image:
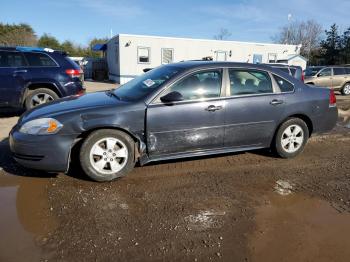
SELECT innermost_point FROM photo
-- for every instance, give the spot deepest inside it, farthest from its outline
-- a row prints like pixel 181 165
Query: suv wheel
pixel 39 96
pixel 346 89
pixel 291 138
pixel 107 154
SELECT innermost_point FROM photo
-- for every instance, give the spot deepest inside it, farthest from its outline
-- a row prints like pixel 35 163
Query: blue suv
pixel 33 76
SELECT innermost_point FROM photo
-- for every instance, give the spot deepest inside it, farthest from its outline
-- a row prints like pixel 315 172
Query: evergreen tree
pixel 331 46
pixel 49 41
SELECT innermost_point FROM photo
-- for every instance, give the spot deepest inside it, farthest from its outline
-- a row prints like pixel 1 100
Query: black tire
pixel 279 148
pixel 28 103
pixel 91 140
pixel 346 89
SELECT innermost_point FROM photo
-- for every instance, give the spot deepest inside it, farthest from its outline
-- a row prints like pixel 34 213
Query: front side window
pixel 39 59
pixel 339 71
pixel 11 59
pixel 347 70
pixel 199 85
pixel 246 82
pixel 283 84
pixel 325 72
pixel 143 54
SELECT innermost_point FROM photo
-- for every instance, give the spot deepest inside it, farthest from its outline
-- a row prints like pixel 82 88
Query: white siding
pixel 186 49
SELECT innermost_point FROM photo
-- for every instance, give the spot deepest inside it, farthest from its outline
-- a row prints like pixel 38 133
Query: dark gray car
pixel 174 111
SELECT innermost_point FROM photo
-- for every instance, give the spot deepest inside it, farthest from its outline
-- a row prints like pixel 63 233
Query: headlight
pixel 41 126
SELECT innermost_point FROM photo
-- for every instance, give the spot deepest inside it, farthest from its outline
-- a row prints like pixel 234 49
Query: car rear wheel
pixel 346 89
pixel 107 154
pixel 291 138
pixel 39 96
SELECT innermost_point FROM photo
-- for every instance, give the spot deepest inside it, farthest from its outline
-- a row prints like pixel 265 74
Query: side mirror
pixel 172 97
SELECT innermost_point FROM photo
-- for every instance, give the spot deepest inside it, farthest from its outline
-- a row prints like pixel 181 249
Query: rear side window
pixel 200 85
pixel 338 71
pixel 39 59
pixel 11 59
pixel 347 70
pixel 283 84
pixel 245 82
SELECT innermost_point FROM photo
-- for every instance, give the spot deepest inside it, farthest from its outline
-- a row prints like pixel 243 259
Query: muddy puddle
pixel 24 217
pixel 298 228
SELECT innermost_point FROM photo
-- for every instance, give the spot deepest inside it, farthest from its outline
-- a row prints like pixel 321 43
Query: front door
pixel 324 78
pixel 192 125
pixel 252 109
pixel 12 77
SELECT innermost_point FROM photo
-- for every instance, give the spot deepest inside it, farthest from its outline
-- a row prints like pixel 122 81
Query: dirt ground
pixel 248 206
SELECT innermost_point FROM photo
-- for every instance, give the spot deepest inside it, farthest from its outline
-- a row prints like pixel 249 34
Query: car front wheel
pixel 107 154
pixel 291 138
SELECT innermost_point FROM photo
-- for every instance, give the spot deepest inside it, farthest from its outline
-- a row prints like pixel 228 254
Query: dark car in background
pixel 294 71
pixel 33 76
pixel 185 109
pixel 334 77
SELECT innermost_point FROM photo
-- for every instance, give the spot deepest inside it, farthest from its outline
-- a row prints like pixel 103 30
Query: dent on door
pixel 185 127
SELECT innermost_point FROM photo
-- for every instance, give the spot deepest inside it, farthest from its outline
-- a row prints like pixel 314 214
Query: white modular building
pixel 128 55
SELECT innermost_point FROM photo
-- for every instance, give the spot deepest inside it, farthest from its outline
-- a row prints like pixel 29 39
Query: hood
pixel 72 104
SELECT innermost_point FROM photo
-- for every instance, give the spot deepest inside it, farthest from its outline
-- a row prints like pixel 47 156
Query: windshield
pixel 145 84
pixel 311 71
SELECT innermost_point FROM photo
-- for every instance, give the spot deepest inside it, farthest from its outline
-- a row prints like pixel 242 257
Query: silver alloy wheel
pixel 346 89
pixel 292 138
pixel 40 99
pixel 108 155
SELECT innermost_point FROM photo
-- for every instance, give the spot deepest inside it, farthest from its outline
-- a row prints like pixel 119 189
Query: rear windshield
pixel 147 83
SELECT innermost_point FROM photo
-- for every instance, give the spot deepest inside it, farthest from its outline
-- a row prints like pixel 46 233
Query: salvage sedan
pixel 178 110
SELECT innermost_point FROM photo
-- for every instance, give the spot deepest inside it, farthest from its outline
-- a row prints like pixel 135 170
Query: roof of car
pixel 30 49
pixel 201 63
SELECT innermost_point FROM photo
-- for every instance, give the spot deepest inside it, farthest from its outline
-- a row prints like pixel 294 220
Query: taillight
pixel 332 98
pixel 74 72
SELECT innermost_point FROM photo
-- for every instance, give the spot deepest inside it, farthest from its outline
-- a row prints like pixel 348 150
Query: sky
pixel 248 20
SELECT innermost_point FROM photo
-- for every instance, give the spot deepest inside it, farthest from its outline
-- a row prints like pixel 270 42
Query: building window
pixel 257 59
pixel 221 56
pixel 272 58
pixel 167 55
pixel 143 54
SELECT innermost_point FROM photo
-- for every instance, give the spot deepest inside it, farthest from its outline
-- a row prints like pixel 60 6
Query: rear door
pixel 192 125
pixel 339 77
pixel 13 75
pixel 252 109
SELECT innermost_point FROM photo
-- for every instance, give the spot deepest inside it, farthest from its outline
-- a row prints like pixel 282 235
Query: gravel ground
pixel 221 208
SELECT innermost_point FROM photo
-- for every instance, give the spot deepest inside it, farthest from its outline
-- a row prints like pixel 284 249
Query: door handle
pixel 276 102
pixel 213 108
pixel 19 71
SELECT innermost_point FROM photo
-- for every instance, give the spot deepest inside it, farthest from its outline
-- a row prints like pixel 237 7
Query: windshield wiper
pixel 111 93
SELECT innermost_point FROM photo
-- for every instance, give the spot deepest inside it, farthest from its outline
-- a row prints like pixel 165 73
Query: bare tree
pixel 307 33
pixel 223 34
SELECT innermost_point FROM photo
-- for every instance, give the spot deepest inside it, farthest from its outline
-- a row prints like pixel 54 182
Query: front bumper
pixel 50 153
